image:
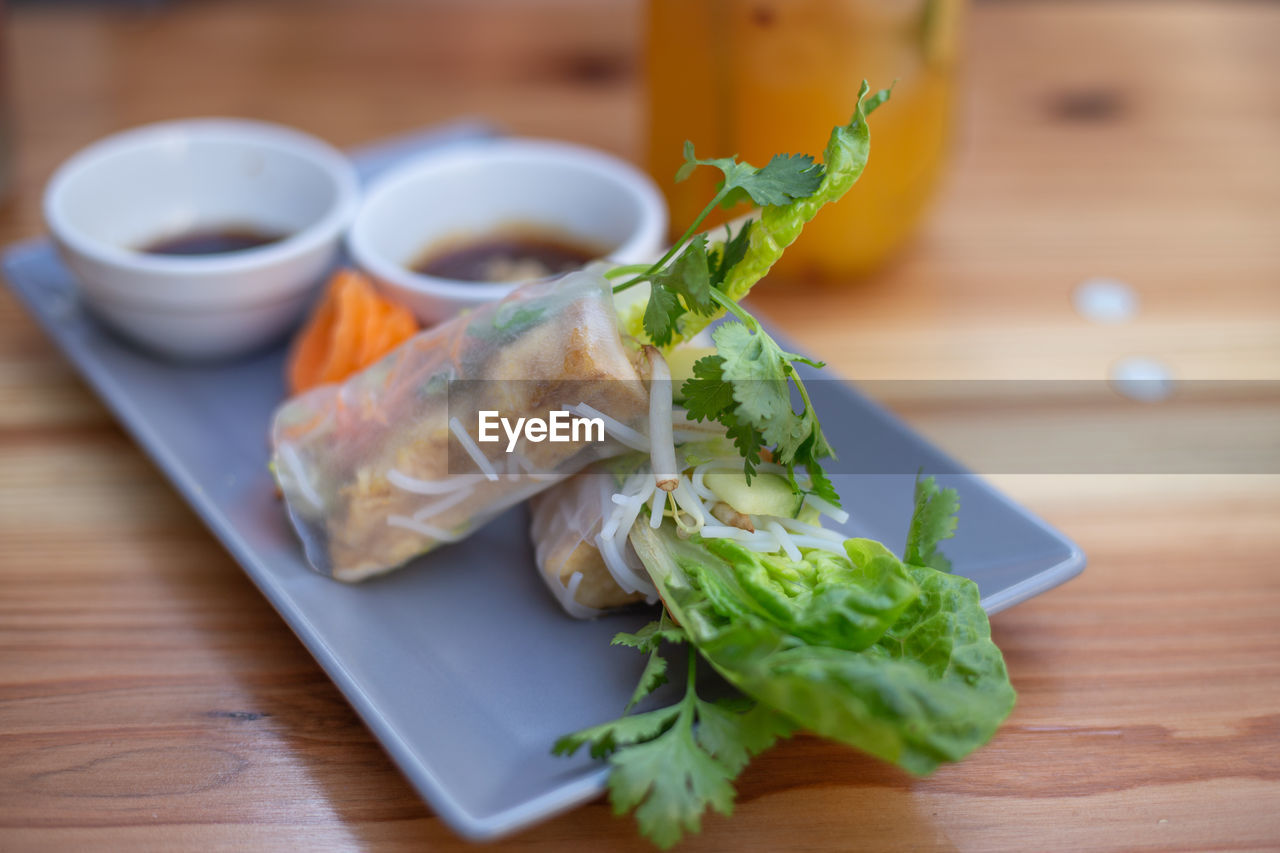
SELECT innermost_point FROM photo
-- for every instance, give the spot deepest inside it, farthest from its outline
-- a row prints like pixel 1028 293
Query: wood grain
pixel 151 699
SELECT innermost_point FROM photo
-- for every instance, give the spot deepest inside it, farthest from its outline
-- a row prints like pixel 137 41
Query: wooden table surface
pixel 150 698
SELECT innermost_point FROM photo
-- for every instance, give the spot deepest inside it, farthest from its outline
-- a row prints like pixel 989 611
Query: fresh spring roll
pixel 566 524
pixel 389 464
pixel 581 528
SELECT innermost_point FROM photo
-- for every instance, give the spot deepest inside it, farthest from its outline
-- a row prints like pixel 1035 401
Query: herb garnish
pixel 747 385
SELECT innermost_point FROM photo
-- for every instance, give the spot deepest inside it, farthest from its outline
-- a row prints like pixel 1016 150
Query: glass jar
pixel 759 77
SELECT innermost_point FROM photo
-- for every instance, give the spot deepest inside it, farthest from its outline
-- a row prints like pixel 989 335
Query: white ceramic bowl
pixel 165 179
pixel 578 191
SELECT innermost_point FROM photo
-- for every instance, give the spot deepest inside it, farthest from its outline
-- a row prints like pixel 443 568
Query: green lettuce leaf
pixel 792 189
pixel 930 688
pixel 778 226
pixel 822 598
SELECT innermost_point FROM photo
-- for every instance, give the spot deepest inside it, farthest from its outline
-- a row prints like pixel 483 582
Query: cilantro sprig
pixel 786 178
pixel 747 386
pixel 671 764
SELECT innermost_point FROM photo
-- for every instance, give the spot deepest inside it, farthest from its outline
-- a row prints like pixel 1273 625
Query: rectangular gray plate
pixel 463 665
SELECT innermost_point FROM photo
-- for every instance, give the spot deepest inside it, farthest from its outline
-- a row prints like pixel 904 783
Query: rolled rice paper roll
pixel 565 522
pixel 388 464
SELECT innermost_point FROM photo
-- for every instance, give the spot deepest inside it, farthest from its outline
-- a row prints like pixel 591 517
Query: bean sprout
pixel 662 444
pixel 813 530
pixel 830 510
pixel 784 539
pixel 634 439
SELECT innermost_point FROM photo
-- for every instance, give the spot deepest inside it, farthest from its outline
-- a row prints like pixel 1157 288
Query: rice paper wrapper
pixel 388 465
pixel 565 522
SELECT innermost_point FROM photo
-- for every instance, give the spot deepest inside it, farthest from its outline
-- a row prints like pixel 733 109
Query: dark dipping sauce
pixel 212 241
pixel 506 256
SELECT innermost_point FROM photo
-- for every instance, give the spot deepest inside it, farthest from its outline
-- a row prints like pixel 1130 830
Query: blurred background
pixel 1030 146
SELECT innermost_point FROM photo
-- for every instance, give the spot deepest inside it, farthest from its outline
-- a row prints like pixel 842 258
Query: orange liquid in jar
pixel 759 77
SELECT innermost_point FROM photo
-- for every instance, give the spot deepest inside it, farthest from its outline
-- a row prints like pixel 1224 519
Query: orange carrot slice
pixel 351 328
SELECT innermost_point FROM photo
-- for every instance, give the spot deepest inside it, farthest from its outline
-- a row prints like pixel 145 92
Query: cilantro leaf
pixel 690 276
pixel 707 393
pixel 682 286
pixel 756 371
pixel 653 677
pixel 760 375
pixel 649 639
pixel 934 519
pixel 672 764
pixel 786 178
pixel 820 484
pixel 670 781
pixel 661 314
pixel 624 731
pixel 650 636
pixel 749 441
pixel 733 251
pixel 709 396
pixel 690 163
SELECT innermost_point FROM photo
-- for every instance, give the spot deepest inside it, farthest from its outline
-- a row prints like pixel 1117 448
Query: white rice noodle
pixel 296 472
pixel 629 501
pixel 811 530
pixel 763 541
pixel 613 551
pixel 775 534
pixel 438 506
pixel 820 544
pixel 631 438
pixel 832 511
pixel 612 538
pixel 401 480
pixel 698 483
pixel 473 449
pixel 420 527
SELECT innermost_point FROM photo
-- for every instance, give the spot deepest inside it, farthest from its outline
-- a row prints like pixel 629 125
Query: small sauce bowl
pixel 123 193
pixel 588 196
